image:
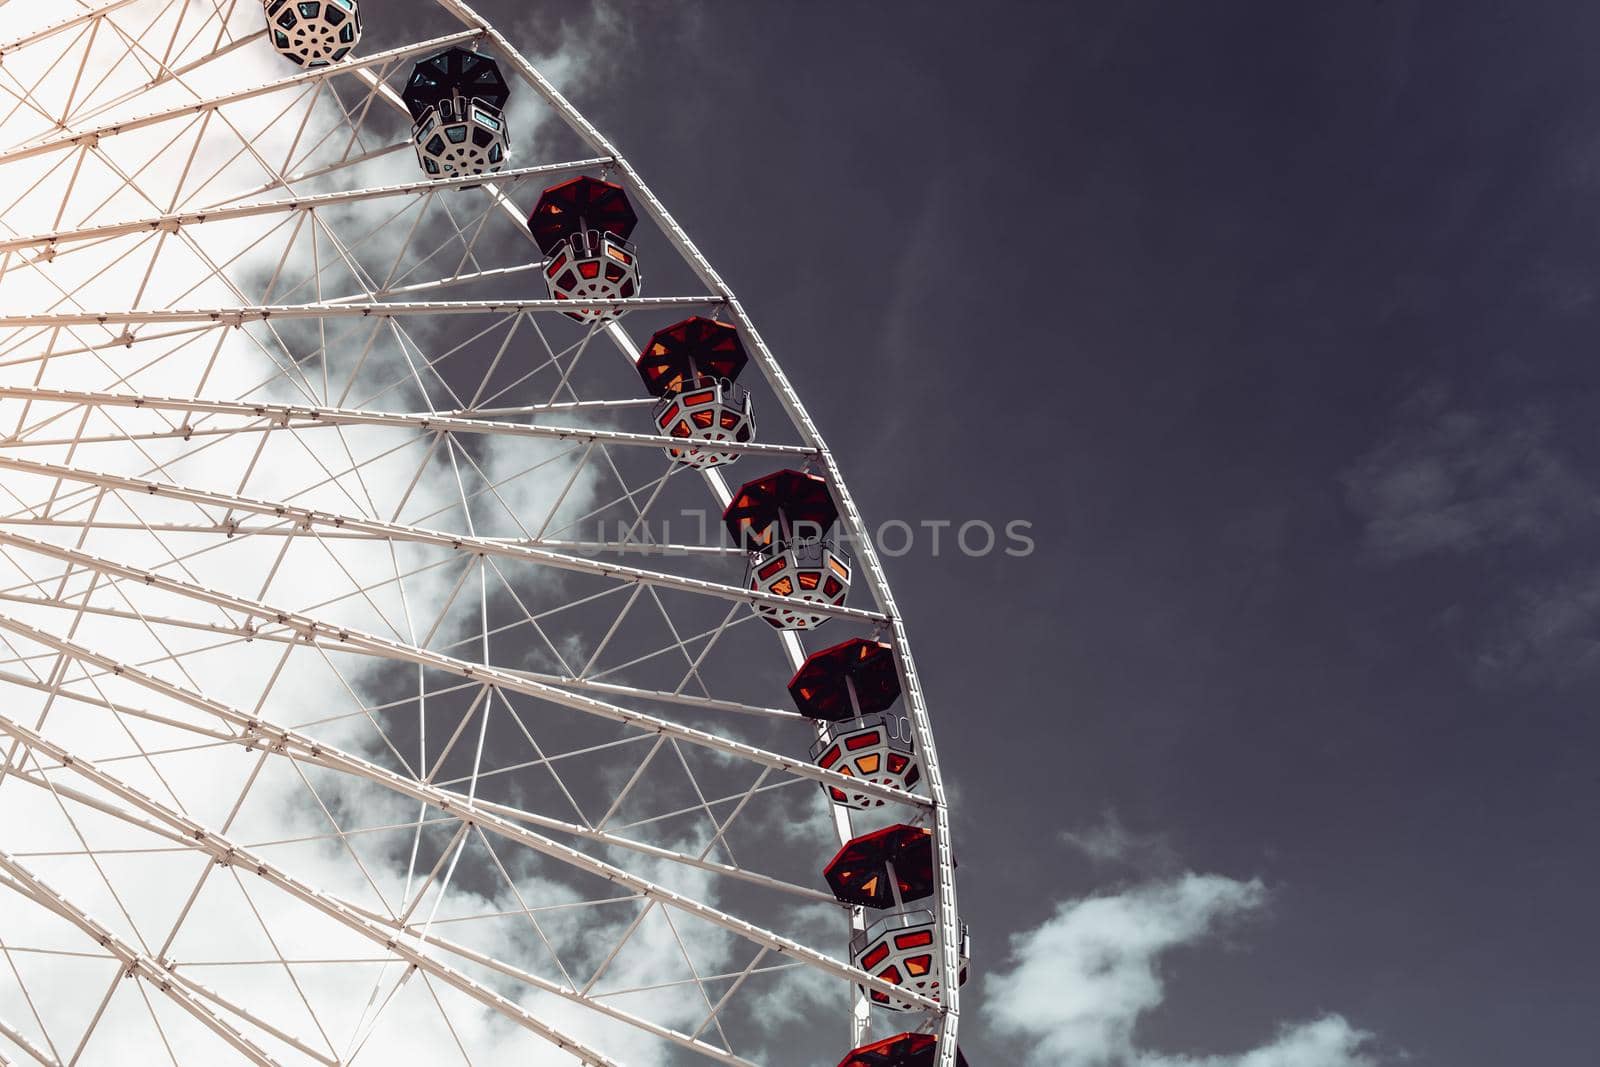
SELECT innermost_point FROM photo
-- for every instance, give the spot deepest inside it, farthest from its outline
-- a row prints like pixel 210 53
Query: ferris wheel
pixel 389 672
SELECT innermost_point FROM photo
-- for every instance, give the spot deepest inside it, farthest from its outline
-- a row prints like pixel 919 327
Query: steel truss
pixel 167 523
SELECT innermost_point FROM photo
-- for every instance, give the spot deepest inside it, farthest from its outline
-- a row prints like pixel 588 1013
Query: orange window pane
pixel 783 586
pixel 868 764
pixel 917 966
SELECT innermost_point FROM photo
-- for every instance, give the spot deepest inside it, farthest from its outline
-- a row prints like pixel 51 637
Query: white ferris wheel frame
pixel 519 825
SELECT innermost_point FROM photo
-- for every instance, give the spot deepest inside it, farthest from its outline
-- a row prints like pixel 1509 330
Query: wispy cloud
pixel 1110 843
pixel 1548 635
pixel 1077 985
pixel 1456 480
pixel 1327 1042
pixel 1452 481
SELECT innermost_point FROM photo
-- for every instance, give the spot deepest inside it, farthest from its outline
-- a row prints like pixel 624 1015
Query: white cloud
pixel 1327 1042
pixel 1110 842
pixel 1080 982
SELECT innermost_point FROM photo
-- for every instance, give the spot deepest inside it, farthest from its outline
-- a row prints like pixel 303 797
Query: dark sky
pixel 1276 321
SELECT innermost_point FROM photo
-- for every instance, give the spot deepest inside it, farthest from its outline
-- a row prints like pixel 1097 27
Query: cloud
pixel 1078 984
pixel 1327 1042
pixel 1456 481
pixel 1109 842
pixel 1548 635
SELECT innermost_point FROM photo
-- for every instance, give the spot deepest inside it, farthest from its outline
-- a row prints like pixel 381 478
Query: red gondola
pixel 583 203
pixel 885 868
pixel 696 347
pixel 854 678
pixel 783 520
pixel 901 1050
pixel 691 365
pixel 784 499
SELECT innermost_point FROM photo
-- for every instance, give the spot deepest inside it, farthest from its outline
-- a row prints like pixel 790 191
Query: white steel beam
pixel 309 518
pixel 297 416
pixel 238 316
pixel 91 138
pixel 17 43
pixel 172 221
